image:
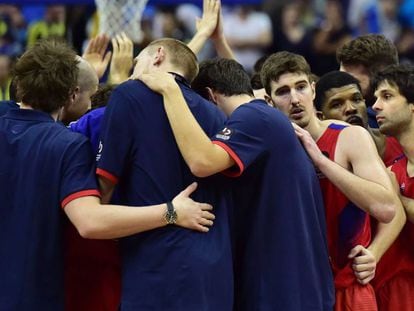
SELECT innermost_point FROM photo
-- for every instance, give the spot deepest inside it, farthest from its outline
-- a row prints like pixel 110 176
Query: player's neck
pixel 316 127
pixel 54 115
pixel 230 103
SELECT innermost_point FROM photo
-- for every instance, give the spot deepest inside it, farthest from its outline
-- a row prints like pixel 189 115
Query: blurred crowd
pixel 312 28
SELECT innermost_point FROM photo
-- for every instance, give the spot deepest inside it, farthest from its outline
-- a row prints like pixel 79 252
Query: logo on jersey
pixel 100 148
pixel 224 134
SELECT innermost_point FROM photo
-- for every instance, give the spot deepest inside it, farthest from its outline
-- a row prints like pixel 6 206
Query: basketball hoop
pixel 116 16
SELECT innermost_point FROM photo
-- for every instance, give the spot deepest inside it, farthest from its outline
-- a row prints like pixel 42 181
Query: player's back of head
pixel 280 63
pixel 180 56
pixel 46 75
pixel 331 80
pixel 373 51
pixel 224 76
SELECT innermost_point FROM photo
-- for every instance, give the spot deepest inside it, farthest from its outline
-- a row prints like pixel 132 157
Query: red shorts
pixel 397 293
pixel 92 273
pixel 355 297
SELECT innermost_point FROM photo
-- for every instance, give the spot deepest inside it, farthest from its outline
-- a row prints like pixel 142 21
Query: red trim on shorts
pixel 79 194
pixel 234 156
pixel 105 174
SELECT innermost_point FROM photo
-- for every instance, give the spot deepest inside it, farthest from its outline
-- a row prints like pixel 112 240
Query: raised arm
pixel 219 40
pixel 96 54
pixel 206 25
pixel 368 185
pixel 210 26
pixel 96 221
pixel 122 59
pixel 202 156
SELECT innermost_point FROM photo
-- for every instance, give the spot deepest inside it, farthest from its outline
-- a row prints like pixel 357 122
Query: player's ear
pixel 211 95
pixel 75 94
pixel 320 115
pixel 269 100
pixel 159 57
pixel 313 89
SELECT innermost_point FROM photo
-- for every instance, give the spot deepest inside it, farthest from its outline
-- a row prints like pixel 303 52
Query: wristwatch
pixel 170 215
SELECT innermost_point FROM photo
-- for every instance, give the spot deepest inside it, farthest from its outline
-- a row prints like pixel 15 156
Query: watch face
pixel 171 217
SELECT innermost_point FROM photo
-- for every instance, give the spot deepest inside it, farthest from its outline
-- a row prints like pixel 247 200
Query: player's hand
pixel 364 264
pixel 122 59
pixel 160 82
pixel 208 22
pixel 309 144
pixel 218 33
pixel 191 214
pixel 96 54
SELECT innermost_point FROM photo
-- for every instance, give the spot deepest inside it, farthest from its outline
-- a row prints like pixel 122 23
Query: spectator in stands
pixel 249 33
pixel 52 26
pixel 5 76
pixel 332 33
pixel 290 33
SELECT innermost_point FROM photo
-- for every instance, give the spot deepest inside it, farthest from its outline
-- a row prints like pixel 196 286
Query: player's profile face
pixel 394 113
pixel 293 94
pixel 142 63
pixel 345 103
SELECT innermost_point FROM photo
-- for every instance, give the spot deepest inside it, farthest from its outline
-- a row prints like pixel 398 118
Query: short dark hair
pixel 280 63
pixel 373 51
pixel 46 75
pixel 399 76
pixel 226 76
pixel 181 56
pixel 13 89
pixel 256 81
pixel 330 80
pixel 101 96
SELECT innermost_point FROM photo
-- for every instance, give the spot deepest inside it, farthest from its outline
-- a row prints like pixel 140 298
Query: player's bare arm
pixel 368 185
pixel 97 221
pixel 202 156
pixel 206 25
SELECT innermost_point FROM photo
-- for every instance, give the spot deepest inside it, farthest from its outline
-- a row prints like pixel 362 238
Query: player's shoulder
pixel 259 108
pixel 355 133
pixel 132 87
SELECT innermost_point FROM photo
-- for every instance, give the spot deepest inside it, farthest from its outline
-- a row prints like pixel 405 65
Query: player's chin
pixel 355 120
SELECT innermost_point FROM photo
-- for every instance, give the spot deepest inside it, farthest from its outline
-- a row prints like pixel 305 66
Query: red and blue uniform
pixel 43 167
pixel 392 152
pixel 281 257
pixel 169 268
pixel 92 267
pixel 347 226
pixel 394 278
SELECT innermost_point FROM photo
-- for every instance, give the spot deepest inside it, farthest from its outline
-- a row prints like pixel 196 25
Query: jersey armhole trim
pixel 79 194
pixel 231 172
pixel 105 174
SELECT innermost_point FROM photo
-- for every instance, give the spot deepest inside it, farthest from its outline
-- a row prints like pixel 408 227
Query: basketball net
pixel 116 16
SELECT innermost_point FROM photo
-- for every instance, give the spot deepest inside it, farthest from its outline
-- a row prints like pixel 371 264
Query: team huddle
pixel 302 197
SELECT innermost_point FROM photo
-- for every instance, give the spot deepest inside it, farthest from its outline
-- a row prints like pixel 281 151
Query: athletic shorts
pixel 397 293
pixel 355 297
